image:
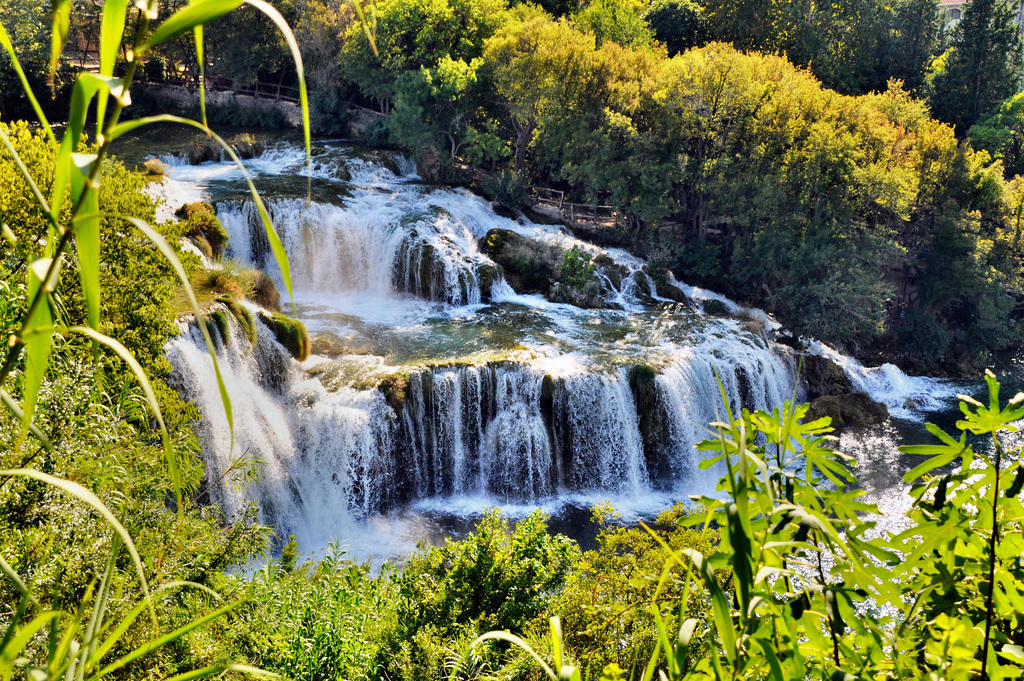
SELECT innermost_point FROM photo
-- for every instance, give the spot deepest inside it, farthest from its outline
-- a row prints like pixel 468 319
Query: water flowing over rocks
pixel 442 370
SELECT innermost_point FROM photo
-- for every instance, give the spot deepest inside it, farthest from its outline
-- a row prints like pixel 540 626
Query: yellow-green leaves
pixel 5 42
pixel 60 21
pixel 186 19
pixel 38 338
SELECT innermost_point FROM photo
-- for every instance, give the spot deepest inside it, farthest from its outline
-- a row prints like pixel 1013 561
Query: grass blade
pixel 111 30
pixel 161 243
pixel 128 619
pixel 201 60
pixel 87 239
pixel 16 645
pixel 38 335
pixel 293 45
pixel 15 578
pixel 13 407
pixel 5 42
pixel 133 364
pixel 189 17
pixel 60 21
pixel 169 637
pixel 515 640
pixel 84 495
pixel 220 669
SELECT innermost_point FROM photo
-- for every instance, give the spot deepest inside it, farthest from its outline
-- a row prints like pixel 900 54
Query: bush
pixel 509 189
pixel 377 133
pixel 922 336
pixel 576 269
pixel 493 579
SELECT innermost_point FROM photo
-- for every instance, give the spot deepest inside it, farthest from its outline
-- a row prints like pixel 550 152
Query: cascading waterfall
pixel 474 391
pixel 372 245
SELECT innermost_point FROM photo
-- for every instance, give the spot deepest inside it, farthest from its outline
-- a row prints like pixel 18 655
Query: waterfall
pixel 314 454
pixel 471 390
pixel 372 245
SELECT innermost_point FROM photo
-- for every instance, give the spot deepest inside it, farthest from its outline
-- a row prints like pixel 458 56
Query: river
pixel 505 399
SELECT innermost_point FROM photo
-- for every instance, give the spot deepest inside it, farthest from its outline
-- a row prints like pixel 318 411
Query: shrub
pixel 202 223
pixel 377 133
pixel 576 269
pixel 509 189
pixel 493 578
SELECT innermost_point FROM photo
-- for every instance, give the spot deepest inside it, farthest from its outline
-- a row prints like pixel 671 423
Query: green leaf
pixel 38 335
pixel 87 239
pixel 147 389
pixel 5 42
pixel 111 31
pixel 81 493
pixel 60 21
pixel 168 252
pixel 187 18
pixel 943 456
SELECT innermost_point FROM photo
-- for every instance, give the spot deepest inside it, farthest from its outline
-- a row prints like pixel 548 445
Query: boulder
pixel 853 409
pixel 823 377
pixel 529 266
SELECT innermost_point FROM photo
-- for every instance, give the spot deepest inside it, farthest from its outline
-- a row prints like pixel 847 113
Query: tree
pixel 527 61
pixel 981 68
pixel 1001 133
pixel 678 24
pixel 620 21
pixel 27 23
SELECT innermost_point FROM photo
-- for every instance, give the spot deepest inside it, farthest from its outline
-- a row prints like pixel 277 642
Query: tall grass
pixel 79 642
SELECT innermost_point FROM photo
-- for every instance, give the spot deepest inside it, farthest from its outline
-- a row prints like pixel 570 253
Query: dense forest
pixel 853 168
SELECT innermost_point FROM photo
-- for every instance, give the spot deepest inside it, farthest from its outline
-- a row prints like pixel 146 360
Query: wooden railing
pixel 574 213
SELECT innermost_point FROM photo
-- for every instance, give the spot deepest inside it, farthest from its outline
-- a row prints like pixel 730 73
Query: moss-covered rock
pixel 291 333
pixel 529 266
pixel 247 146
pixel 242 314
pixel 221 324
pixel 394 388
pixel 486 275
pixel 715 307
pixel 202 224
pixel 265 292
pixel 204 150
pixel 822 376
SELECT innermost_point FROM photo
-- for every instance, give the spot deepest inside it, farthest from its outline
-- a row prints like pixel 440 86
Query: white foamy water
pixel 491 397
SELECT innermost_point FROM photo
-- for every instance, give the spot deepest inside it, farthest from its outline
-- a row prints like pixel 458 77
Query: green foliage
pixel 576 269
pixel 678 24
pixel 1001 134
pixel 509 189
pixel 620 21
pixel 77 615
pixel 605 606
pixel 320 621
pixel 495 578
pixel 982 67
pixel 811 593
